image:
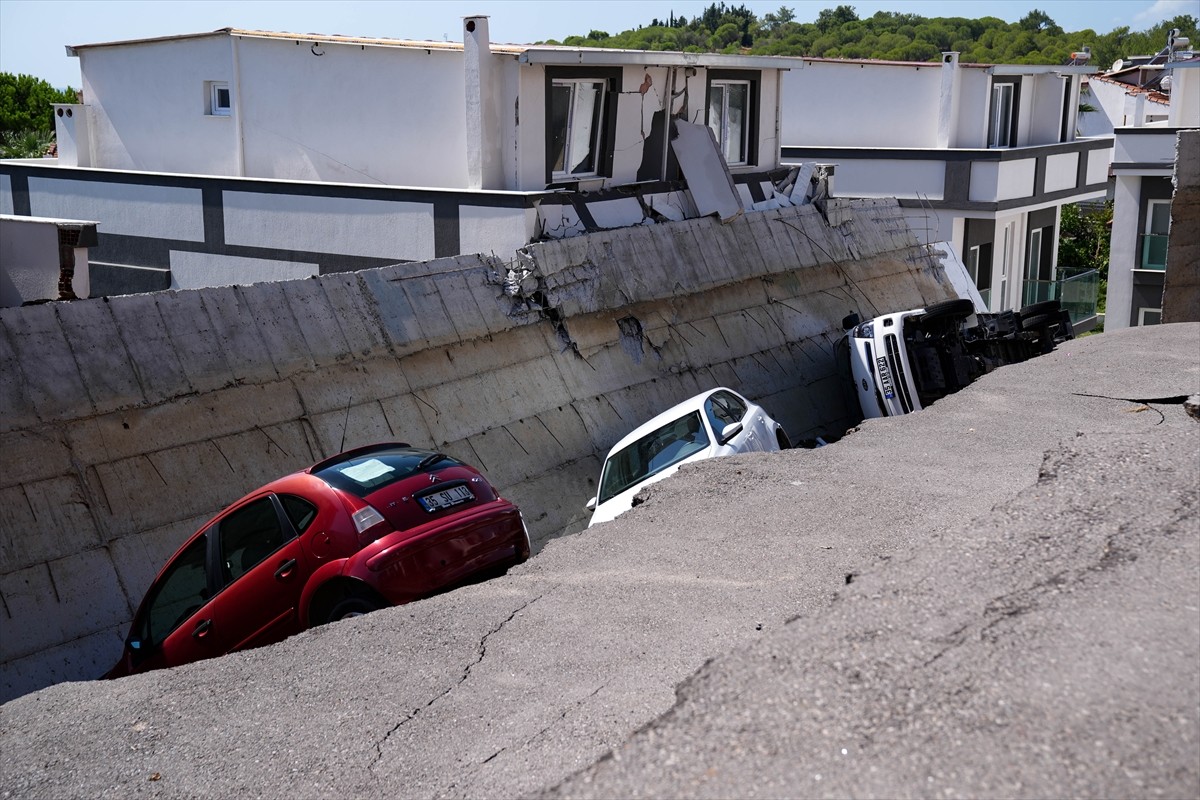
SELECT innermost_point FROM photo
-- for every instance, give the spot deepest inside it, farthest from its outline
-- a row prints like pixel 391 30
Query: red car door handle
pixel 285 569
pixel 201 629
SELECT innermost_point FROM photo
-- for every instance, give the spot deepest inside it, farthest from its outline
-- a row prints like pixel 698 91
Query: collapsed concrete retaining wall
pixel 128 421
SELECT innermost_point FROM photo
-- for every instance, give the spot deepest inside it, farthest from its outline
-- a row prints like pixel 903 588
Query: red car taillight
pixel 370 524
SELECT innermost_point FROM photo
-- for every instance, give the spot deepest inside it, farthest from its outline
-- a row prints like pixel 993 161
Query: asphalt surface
pixel 996 597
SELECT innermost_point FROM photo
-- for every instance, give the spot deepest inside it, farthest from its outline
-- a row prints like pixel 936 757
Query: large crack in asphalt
pixel 481 653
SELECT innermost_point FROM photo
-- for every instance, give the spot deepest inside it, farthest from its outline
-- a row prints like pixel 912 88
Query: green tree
pixel 1083 242
pixel 25 104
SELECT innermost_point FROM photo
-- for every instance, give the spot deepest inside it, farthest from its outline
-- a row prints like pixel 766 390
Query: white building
pixel 982 156
pixel 1144 161
pixel 238 155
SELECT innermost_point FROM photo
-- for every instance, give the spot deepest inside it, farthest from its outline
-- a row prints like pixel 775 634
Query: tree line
pixel 889 35
pixel 26 118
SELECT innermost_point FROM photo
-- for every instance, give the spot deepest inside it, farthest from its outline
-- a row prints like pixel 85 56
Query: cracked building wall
pixel 128 421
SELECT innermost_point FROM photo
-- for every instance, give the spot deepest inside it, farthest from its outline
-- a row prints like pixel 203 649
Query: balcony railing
pixel 1078 292
pixel 1154 251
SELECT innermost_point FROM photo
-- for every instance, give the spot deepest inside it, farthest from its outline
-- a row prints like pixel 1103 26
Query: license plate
pixel 885 378
pixel 446 498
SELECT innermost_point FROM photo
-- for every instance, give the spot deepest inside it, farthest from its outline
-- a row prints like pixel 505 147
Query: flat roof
pixel 527 53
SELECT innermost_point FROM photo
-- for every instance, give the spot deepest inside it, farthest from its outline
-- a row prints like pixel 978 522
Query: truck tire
pixel 948 309
pixel 1044 307
pixel 1033 323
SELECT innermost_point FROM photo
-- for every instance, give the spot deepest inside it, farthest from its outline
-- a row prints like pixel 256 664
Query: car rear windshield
pixel 370 472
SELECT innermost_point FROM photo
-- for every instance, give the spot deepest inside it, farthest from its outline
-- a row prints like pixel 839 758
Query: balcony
pixel 1154 251
pixel 1078 292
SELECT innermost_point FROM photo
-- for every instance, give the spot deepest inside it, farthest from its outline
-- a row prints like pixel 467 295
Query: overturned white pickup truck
pixel 904 361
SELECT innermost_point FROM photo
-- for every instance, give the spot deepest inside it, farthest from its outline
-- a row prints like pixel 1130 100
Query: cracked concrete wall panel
pixel 139 556
pixel 479 356
pixel 497 454
pixel 91 332
pixel 125 434
pixel 457 408
pixel 43 520
pixel 317 320
pixel 257 456
pixel 405 419
pixel 468 319
pixel 17 409
pixel 433 318
pixel 544 441
pixel 353 383
pixel 394 309
pixel 48 369
pixel 145 337
pixel 493 305
pixel 548 508
pixel 234 325
pixel 72 597
pixel 124 485
pixel 33 455
pixel 355 312
pixel 360 425
pixel 191 333
pixel 81 659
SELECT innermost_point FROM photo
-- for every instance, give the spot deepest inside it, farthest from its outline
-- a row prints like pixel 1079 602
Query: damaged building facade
pixel 229 177
pixel 982 156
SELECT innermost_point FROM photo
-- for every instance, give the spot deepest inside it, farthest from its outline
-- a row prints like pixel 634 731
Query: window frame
pixel 604 128
pixel 215 108
pixel 1009 125
pixel 1148 230
pixel 752 80
pixel 1142 316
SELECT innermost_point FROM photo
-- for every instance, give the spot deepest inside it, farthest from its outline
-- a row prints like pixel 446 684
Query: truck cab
pixel 903 361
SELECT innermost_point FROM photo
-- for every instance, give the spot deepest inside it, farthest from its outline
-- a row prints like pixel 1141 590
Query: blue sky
pixel 33 33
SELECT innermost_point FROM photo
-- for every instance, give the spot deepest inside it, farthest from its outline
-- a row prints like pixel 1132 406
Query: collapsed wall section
pixel 126 422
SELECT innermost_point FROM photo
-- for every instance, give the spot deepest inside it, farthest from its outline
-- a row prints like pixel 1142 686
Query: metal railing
pixel 1077 290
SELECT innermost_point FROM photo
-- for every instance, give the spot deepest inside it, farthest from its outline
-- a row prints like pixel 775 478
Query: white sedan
pixel 719 422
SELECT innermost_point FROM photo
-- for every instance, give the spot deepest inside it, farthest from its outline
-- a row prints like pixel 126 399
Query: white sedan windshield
pixel 653 453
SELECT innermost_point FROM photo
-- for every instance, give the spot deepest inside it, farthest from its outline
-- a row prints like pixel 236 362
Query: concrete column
pixel 1122 251
pixel 482 130
pixel 947 134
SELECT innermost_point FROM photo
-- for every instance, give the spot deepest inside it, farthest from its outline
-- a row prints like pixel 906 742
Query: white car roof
pixel 695 403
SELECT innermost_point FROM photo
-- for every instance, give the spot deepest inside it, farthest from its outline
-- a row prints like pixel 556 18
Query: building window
pixel 219 99
pixel 1002 116
pixel 728 103
pixel 580 114
pixel 732 100
pixel 1154 240
pixel 1149 316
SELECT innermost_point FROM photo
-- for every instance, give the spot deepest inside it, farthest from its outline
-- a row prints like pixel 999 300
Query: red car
pixel 375 526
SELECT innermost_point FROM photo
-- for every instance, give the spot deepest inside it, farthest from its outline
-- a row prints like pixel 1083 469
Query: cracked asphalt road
pixel 995 597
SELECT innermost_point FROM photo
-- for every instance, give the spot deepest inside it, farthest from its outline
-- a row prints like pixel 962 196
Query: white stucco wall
pixel 341 225
pixel 1185 97
pixel 852 104
pixel 993 181
pixel 149 106
pixel 1061 171
pixel 974 100
pixel 1046 108
pixel 157 212
pixel 883 178
pixel 355 114
pixel 30 263
pixel 6 198
pixel 199 270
